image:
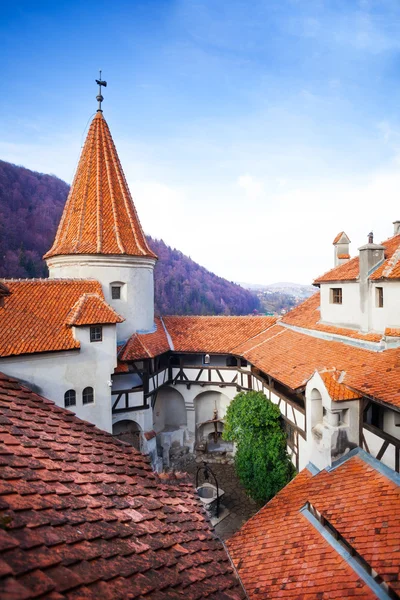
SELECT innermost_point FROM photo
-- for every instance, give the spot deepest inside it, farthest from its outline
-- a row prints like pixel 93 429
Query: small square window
pixel 336 295
pixel 96 333
pixel 379 297
pixel 116 292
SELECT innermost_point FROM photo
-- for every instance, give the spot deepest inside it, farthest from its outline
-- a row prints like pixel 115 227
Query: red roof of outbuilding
pixel 349 271
pixel 214 334
pixel 92 309
pixel 35 317
pixel 84 517
pixel 99 216
pixel 145 345
pixel 279 553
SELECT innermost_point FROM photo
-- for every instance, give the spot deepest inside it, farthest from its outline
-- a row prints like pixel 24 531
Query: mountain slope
pixel 30 209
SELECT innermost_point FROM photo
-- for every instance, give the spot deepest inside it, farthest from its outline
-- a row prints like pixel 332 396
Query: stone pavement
pixel 236 500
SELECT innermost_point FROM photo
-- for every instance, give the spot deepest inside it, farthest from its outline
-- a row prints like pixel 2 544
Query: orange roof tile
pixel 214 334
pixel 349 271
pixel 34 317
pixel 99 216
pixel 307 315
pixel 91 309
pixel 279 553
pixel 292 358
pixel 392 332
pixel 84 516
pixel 337 391
pixel 343 256
pixel 145 345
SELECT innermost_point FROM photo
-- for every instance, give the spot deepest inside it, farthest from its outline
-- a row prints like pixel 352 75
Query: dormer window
pixel 379 297
pixel 116 292
pixel 96 333
pixel 336 295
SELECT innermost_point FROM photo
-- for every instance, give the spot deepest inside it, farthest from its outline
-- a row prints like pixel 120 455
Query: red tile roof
pixel 84 517
pixel 214 334
pixel 99 216
pixel 292 358
pixel 145 345
pixel 337 391
pixel 392 332
pixel 92 309
pixel 307 315
pixel 34 317
pixel 279 553
pixel 349 271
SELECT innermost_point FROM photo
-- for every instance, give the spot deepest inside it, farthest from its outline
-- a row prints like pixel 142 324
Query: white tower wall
pixel 134 275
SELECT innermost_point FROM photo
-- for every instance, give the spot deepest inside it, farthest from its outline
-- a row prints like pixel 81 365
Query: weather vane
pixel 99 97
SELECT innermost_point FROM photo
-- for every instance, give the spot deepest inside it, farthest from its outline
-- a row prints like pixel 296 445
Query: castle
pixel 87 338
pixel 83 515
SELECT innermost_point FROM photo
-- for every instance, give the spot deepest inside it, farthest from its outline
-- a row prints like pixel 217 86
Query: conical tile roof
pixel 99 216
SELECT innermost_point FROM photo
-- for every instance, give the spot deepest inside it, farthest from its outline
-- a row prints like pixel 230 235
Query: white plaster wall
pixel 169 409
pixel 348 313
pixel 137 299
pixel 143 418
pixel 319 449
pixel 52 374
pixel 391 423
pixel 375 443
pixel 389 314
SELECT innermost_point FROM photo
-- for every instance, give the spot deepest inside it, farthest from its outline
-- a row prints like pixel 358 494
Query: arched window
pixel 88 395
pixel 70 398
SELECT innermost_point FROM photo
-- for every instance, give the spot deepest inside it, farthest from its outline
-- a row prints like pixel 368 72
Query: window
pixel 96 333
pixel 116 292
pixel 379 297
pixel 70 398
pixel 336 295
pixel 88 395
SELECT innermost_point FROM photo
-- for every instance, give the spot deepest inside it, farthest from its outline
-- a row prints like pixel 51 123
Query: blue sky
pixel 250 132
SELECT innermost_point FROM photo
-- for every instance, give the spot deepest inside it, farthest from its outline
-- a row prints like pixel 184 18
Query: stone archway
pixel 206 403
pixel 130 432
pixel 169 410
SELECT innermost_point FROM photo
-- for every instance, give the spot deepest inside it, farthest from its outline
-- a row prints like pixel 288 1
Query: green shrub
pixel 261 461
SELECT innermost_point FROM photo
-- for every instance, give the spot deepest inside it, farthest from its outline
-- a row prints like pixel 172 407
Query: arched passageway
pixel 210 410
pixel 169 410
pixel 128 431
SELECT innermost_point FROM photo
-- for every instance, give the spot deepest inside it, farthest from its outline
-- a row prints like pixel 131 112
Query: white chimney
pixel 341 246
pixel 371 256
pixel 396 227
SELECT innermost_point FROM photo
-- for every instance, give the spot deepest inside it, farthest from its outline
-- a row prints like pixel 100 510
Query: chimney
pixel 396 227
pixel 341 246
pixel 371 256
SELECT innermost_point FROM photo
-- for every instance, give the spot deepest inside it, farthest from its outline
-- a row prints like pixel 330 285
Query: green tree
pixel 261 461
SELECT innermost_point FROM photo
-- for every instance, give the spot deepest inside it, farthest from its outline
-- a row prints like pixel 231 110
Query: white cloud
pixel 252 187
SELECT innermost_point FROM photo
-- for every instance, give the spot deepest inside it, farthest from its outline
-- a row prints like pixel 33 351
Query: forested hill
pixel 30 209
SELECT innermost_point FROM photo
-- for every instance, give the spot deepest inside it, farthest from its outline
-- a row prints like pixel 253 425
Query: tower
pixel 100 236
